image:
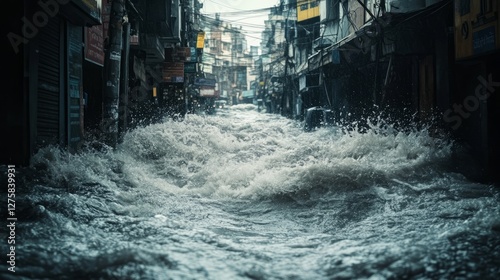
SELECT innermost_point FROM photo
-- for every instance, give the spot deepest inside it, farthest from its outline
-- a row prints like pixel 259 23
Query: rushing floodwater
pixel 243 195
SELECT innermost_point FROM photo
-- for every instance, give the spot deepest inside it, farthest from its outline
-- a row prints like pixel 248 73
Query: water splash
pixel 252 155
pixel 241 194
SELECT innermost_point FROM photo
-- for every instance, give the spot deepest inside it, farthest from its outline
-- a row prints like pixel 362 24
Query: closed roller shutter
pixel 48 91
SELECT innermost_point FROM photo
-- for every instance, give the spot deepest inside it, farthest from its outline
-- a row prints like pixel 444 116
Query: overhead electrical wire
pixel 241 11
pixel 260 29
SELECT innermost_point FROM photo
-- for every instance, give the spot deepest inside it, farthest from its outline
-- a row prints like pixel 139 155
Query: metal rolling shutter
pixel 48 91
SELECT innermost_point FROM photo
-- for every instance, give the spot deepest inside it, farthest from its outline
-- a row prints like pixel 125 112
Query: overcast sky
pixel 241 13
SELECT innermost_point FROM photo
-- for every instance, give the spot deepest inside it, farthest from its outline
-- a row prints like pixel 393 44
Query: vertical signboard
pixel 94 44
pixel 193 56
pixel 94 36
pixel 74 76
pixel 200 41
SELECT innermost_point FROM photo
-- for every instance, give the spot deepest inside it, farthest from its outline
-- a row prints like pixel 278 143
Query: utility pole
pixel 286 100
pixel 112 73
pixel 124 86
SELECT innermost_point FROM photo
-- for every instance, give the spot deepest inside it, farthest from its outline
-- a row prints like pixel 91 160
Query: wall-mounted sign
pixel 307 9
pixel 173 72
pixel 190 67
pixel 477 28
pixel 193 54
pixel 94 44
pixel 484 40
pixel 200 41
pixel 94 36
pixel 207 92
pixel 205 82
pixel 177 54
pixel 134 40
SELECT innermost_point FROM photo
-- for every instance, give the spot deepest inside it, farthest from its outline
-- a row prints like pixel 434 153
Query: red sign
pixel 94 44
pixel 173 72
pixel 177 54
pixel 95 35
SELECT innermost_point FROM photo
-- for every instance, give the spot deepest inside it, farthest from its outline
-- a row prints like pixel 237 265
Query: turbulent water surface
pixel 246 195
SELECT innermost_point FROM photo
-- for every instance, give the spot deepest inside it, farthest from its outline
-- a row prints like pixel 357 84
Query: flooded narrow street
pixel 248 195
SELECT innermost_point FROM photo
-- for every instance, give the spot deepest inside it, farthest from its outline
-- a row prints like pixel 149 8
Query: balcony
pixel 155 51
pixel 321 43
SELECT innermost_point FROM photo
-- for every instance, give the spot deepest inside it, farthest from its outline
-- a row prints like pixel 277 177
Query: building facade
pixel 44 42
pixel 65 65
pixel 415 62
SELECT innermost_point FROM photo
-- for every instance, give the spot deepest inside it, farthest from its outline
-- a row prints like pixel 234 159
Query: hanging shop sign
pixel 173 72
pixel 193 54
pixel 207 92
pixel 200 41
pixel 205 82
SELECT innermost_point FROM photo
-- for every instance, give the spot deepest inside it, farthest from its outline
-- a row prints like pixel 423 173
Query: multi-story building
pixel 73 83
pixel 415 61
pixel 474 105
pixel 272 63
pixel 46 101
pixel 226 58
pixel 351 55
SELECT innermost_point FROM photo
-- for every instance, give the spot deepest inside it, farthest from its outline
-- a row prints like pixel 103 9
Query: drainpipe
pixel 109 125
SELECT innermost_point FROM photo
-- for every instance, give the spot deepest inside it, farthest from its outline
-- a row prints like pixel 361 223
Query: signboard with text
pixel 94 44
pixel 307 9
pixel 173 72
pixel 190 67
pixel 200 40
pixel 477 28
pixel 177 54
pixel 207 92
pixel 205 82
pixel 95 35
pixel 193 57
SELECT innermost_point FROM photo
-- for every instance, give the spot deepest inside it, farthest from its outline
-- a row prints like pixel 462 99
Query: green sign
pixel 190 67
